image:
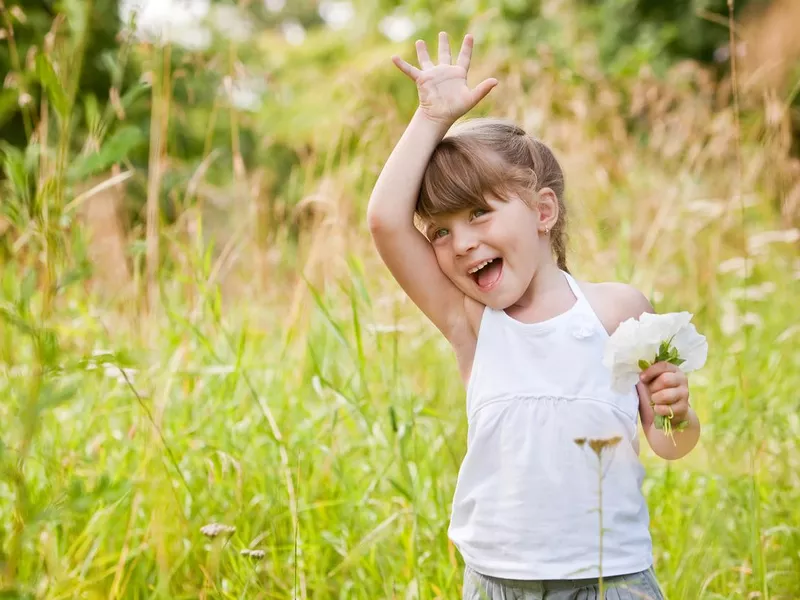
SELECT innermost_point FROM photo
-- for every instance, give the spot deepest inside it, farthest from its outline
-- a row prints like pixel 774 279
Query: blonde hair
pixel 495 157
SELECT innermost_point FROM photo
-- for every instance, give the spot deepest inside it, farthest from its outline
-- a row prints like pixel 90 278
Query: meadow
pixel 251 364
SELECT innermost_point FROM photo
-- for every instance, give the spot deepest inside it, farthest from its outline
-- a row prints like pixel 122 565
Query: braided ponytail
pixel 549 175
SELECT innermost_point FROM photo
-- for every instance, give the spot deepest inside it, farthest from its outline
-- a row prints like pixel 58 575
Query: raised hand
pixel 444 94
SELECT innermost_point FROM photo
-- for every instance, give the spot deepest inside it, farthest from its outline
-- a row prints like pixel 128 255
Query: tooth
pixel 480 266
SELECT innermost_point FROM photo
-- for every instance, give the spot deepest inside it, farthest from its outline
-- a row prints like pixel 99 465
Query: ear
pixel 547 208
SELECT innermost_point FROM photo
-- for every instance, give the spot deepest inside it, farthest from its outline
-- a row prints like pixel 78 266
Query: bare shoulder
pixel 614 302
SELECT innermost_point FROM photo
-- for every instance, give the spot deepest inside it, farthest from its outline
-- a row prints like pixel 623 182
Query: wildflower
pixel 600 444
pixel 637 344
pixel 257 554
pixel 668 337
pixel 212 530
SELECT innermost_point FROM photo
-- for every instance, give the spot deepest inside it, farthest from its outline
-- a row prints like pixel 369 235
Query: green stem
pixel 600 513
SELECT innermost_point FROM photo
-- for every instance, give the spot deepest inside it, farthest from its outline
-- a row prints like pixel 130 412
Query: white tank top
pixel 526 500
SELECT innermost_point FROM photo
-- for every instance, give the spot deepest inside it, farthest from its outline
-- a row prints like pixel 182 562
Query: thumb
pixel 483 89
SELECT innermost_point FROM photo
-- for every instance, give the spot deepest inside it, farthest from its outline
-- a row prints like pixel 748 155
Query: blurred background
pixel 209 384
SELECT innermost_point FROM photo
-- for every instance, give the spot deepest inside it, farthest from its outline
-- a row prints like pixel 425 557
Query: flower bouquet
pixel 639 343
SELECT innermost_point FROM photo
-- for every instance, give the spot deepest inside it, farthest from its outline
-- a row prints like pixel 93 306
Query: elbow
pixel 378 221
pixel 374 220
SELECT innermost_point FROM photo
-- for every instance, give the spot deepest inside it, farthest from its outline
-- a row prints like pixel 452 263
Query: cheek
pixel 521 241
pixel 444 258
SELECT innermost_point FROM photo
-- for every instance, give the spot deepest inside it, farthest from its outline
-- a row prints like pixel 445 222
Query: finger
pixel 465 55
pixel 667 380
pixel 410 70
pixel 423 56
pixel 444 49
pixel 482 89
pixel 668 396
pixel 655 370
pixel 665 410
pixel 673 411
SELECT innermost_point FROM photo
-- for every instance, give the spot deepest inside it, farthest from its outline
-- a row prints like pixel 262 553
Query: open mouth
pixel 487 274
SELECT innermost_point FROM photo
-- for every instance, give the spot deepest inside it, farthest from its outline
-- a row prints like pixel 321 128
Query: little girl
pixel 490 272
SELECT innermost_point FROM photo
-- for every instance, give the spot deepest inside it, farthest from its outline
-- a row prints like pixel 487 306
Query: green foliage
pixel 31 20
pixel 117 148
pixel 326 422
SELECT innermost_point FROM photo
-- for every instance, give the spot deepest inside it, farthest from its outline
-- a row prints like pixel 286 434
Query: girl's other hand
pixel 668 388
pixel 444 95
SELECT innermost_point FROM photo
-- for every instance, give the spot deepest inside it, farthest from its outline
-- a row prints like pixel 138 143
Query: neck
pixel 547 280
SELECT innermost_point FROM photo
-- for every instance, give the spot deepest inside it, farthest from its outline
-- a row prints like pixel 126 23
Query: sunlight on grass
pixel 268 417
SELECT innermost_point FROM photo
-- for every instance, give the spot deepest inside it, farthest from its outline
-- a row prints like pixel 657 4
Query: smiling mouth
pixel 487 276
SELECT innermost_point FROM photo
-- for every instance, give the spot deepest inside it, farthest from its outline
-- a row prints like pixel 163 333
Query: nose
pixel 464 241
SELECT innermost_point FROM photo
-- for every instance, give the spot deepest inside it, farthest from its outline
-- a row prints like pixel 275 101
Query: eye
pixel 439 233
pixel 479 212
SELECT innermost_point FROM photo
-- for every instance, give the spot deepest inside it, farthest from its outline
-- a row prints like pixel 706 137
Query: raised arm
pixel 444 96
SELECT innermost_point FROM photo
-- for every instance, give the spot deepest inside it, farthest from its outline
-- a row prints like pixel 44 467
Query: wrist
pixel 440 125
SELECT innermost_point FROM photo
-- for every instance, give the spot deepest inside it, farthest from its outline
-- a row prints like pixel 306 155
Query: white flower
pixel 214 529
pixel 639 340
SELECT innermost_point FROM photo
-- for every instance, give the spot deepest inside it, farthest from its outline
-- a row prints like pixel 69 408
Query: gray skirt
pixel 636 586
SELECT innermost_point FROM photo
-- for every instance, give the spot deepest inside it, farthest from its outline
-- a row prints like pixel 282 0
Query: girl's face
pixel 492 255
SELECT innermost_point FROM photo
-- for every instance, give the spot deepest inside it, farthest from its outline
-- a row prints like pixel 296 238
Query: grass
pixel 290 391
pixel 337 455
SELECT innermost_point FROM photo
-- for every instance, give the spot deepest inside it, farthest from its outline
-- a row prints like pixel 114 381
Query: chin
pixel 494 299
pixel 498 302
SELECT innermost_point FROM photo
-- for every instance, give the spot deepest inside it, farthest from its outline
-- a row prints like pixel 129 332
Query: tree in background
pixel 25 27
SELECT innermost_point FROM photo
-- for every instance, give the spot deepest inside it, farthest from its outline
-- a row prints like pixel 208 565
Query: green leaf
pixel 114 150
pixel 660 421
pixel 52 396
pixel 644 365
pixel 401 489
pixel 14 168
pixel 33 152
pixel 682 425
pixel 73 276
pixel 111 65
pixel 329 319
pixel 45 193
pixel 133 94
pixel 77 17
pixel 12 318
pixel 48 341
pixel 49 80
